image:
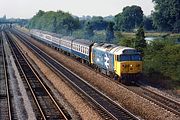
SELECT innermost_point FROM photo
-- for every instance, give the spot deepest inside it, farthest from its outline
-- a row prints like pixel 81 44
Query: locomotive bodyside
pixel 102 58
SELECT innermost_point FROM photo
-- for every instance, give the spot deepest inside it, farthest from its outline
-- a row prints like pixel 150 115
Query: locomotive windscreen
pixel 129 57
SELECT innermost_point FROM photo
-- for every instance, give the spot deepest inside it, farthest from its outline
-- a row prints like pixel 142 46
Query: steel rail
pixel 168 103
pixel 7 87
pixel 7 84
pixel 31 89
pixel 58 67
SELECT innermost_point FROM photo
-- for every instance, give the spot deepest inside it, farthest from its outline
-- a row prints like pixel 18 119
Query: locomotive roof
pixel 111 48
pixel 120 50
pixel 104 46
pixel 83 41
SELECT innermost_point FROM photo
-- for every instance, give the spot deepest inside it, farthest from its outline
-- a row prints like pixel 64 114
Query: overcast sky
pixel 28 8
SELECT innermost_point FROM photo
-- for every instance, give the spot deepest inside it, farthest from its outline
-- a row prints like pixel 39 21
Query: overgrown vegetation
pixel 162 58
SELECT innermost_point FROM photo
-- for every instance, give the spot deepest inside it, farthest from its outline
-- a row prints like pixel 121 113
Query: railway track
pixel 161 100
pixel 5 103
pixel 106 107
pixel 44 104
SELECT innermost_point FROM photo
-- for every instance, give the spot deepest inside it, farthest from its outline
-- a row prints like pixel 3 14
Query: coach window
pixel 83 49
pixel 86 50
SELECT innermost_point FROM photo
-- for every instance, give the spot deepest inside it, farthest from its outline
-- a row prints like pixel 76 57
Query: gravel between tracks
pixel 20 101
pixel 128 99
pixel 84 109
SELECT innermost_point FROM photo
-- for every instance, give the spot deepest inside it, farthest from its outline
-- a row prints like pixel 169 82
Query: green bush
pixel 163 56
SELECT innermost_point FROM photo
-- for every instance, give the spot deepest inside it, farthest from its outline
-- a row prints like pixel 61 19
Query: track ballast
pixel 44 104
pixel 107 108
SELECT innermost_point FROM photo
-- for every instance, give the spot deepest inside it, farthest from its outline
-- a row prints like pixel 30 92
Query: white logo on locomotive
pixel 106 61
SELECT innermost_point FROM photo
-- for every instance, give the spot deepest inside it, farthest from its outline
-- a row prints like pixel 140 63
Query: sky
pixel 28 8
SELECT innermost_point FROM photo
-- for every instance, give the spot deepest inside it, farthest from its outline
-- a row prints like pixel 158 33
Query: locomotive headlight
pixel 123 65
pixel 131 65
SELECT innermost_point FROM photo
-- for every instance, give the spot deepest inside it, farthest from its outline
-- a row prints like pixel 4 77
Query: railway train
pixel 121 63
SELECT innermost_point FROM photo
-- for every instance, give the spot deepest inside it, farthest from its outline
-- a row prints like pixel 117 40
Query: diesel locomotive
pixel 122 63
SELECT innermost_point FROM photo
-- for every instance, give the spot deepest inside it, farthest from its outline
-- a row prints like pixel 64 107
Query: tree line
pixel 165 17
pixel 66 24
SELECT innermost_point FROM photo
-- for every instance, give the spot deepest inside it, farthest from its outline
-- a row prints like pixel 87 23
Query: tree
pixel 59 22
pixel 70 24
pixel 110 32
pixel 54 22
pixel 118 22
pixel 127 41
pixel 163 57
pixel 98 23
pixel 40 13
pixel 140 42
pixel 88 30
pixel 148 23
pixel 130 18
pixel 166 14
pixel 177 26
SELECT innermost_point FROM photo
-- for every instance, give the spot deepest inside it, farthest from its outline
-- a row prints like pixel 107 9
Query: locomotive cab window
pixel 129 57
